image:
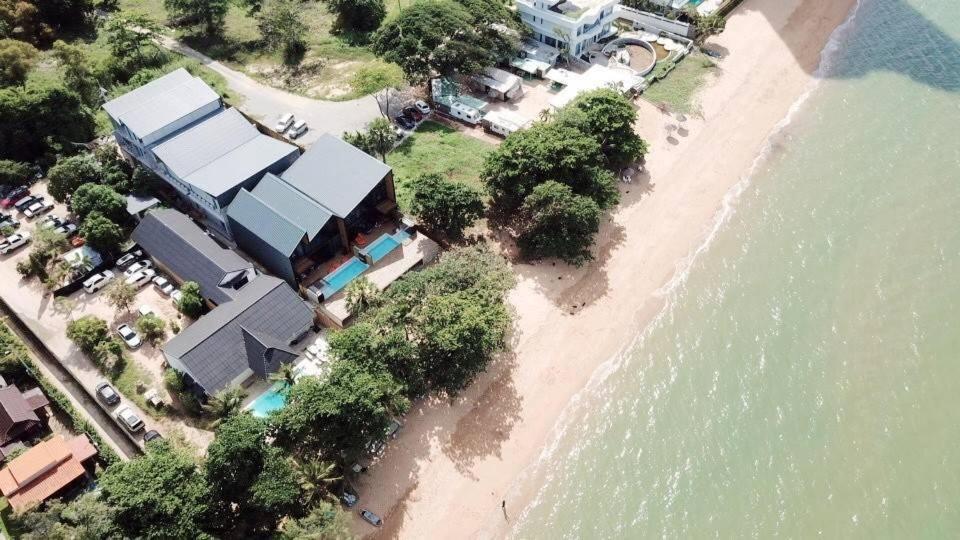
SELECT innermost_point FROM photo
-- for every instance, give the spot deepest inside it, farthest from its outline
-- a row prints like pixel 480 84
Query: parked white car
pixel 52 221
pixel 37 208
pixel 98 281
pixel 163 285
pixel 68 229
pixel 422 107
pixel 129 336
pixel 129 419
pixel 141 278
pixel 284 123
pixel 14 242
pixel 138 266
pixel 175 296
pixel 298 129
pixel 146 309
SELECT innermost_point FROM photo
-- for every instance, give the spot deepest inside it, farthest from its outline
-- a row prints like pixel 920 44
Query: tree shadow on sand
pixel 482 431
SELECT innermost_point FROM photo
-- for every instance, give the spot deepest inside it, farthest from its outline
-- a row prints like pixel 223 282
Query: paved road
pixel 52 369
pixel 266 103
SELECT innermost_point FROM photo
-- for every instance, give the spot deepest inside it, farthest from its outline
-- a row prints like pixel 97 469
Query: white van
pixel 97 281
pixel 298 129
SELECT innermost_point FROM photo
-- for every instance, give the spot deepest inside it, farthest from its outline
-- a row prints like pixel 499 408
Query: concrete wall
pixel 654 23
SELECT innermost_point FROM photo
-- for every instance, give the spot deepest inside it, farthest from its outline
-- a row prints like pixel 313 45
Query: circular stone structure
pixel 624 42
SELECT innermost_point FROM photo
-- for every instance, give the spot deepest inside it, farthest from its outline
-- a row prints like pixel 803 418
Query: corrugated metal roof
pixel 263 220
pixel 205 142
pixel 149 108
pixel 180 245
pixel 241 163
pixel 135 98
pixel 335 174
pixel 13 410
pixel 305 212
pixel 214 350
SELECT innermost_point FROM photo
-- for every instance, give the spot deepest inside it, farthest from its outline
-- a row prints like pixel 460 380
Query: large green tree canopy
pixel 159 495
pixel 446 37
pixel 42 118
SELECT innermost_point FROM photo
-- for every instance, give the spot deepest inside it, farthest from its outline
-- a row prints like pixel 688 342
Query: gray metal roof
pixel 179 244
pixel 139 203
pixel 205 142
pixel 215 348
pixel 306 213
pixel 241 163
pixel 335 174
pixel 161 102
pixel 221 152
pixel 267 223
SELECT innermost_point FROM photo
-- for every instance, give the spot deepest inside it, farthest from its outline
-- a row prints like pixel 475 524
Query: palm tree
pixel 225 403
pixel 285 374
pixel 316 477
pixel 361 294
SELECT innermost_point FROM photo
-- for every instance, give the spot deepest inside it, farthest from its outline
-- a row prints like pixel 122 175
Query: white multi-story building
pixel 569 25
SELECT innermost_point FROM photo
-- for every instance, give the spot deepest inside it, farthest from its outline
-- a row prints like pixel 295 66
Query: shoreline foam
pixel 446 476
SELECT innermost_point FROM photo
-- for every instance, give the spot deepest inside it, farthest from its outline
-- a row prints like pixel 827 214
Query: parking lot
pixel 48 318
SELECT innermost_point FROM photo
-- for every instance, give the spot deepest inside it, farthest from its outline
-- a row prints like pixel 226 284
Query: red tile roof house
pixel 18 414
pixel 45 470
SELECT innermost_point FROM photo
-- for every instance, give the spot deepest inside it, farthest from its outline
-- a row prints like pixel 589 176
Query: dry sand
pixel 446 475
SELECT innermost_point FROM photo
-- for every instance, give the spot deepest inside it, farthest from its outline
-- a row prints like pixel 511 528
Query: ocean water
pixel 805 379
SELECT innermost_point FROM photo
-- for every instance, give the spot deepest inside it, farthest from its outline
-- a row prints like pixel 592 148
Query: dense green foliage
pixel 84 517
pixel 282 27
pixel 16 60
pixel 191 303
pixel 377 139
pixel 153 328
pixel 449 207
pixel 357 15
pixel 547 151
pixel 339 415
pixel 37 21
pixel 70 173
pixel 446 37
pixel 14 173
pixel 100 198
pixel 324 522
pixel 158 495
pixel 551 181
pixel 207 14
pixel 40 119
pixel 608 117
pixel 87 332
pixel 101 233
pixel 555 222
pixel 77 71
pixel 434 330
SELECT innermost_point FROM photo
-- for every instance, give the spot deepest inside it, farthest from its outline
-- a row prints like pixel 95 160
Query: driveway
pixel 266 103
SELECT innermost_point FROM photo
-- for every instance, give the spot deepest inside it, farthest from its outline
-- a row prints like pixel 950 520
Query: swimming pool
pixel 344 274
pixel 381 247
pixel 269 401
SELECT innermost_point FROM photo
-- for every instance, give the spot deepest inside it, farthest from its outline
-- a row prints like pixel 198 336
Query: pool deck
pixel 398 262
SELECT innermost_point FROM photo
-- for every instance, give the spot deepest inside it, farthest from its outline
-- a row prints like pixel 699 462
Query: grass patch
pixel 679 87
pixel 328 65
pixel 127 382
pixel 436 148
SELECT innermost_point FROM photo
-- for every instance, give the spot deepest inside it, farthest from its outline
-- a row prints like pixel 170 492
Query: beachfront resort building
pixel 568 25
pixel 179 128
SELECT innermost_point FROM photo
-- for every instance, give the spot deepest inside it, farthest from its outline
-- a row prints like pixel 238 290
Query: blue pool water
pixel 343 275
pixel 381 247
pixel 269 401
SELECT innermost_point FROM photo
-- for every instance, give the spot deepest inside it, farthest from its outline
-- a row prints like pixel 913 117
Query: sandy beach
pixel 446 476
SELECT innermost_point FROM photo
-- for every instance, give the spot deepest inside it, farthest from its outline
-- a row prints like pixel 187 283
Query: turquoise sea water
pixel 805 381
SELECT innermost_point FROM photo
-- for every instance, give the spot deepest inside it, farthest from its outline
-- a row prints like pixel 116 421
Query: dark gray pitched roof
pixel 179 244
pixel 221 152
pixel 335 174
pixel 264 317
pixel 13 410
pixel 268 224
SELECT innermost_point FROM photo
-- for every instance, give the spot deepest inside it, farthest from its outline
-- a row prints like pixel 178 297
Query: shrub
pixel 449 207
pixel 191 303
